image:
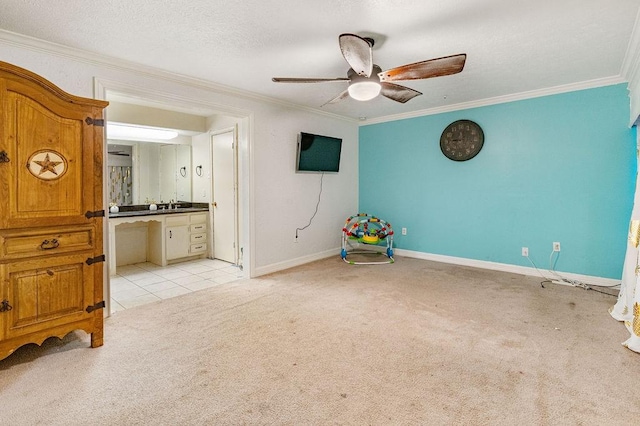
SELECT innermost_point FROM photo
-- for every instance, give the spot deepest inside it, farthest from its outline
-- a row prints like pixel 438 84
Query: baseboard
pixel 280 266
pixel 504 267
pixel 482 264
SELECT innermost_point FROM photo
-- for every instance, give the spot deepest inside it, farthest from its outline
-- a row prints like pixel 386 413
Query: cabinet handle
pixel 170 236
pixel 5 306
pixel 48 245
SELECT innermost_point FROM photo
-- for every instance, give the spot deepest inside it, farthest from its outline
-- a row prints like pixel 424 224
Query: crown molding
pixel 630 69
pixel 589 84
pixel 103 61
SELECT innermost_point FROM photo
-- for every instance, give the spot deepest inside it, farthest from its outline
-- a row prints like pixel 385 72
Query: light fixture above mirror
pixel 131 132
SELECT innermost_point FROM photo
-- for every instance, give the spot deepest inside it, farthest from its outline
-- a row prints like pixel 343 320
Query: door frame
pixel 103 87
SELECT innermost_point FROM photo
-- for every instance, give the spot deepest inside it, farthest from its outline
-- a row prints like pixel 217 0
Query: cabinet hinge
pixel 97 213
pixel 94 121
pixel 92 260
pixel 98 305
pixel 5 306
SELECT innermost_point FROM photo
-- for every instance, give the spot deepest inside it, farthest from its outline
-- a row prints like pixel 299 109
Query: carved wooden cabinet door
pixel 51 213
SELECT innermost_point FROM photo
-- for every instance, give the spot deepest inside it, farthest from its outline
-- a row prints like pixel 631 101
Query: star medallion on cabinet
pixel 47 165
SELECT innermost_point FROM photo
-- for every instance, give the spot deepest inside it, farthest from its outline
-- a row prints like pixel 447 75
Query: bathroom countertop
pixel 129 211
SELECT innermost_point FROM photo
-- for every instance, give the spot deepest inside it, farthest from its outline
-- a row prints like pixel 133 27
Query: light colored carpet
pixel 412 343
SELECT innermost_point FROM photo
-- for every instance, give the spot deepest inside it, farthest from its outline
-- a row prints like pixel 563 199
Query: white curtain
pixel 627 308
pixel 120 184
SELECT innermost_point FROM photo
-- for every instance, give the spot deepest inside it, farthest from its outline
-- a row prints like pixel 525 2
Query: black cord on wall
pixel 315 212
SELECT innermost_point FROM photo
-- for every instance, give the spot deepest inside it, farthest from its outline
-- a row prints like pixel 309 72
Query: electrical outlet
pixel 404 231
pixel 556 246
pixel 295 239
pixel 525 251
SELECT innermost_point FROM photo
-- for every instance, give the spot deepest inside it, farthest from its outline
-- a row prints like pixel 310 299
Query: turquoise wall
pixel 555 168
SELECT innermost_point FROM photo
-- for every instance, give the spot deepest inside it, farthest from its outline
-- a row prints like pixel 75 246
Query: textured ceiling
pixel 513 46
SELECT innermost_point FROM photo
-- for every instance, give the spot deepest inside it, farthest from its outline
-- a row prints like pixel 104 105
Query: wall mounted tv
pixel 318 154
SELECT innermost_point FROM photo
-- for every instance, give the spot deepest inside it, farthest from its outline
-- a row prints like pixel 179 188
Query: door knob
pixel 215 204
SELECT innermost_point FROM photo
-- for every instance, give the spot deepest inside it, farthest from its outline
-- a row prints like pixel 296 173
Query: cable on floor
pixel 561 279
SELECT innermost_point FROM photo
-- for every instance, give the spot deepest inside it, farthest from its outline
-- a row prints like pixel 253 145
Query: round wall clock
pixel 461 140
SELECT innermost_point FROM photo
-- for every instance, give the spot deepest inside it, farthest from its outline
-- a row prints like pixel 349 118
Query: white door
pixel 224 196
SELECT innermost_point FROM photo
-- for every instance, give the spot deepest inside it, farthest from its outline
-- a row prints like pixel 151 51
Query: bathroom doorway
pixel 218 117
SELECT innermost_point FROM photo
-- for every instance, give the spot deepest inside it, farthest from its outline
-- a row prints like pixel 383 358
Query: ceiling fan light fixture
pixel 364 90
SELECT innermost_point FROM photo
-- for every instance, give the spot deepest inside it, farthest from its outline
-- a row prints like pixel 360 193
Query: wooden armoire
pixel 51 211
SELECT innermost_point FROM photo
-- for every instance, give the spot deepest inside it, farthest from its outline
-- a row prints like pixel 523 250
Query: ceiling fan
pixel 367 80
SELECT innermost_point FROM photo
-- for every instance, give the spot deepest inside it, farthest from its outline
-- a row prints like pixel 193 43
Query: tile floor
pixel 135 285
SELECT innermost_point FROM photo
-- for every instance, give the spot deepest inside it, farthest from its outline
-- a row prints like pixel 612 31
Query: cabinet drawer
pixel 44 242
pixel 198 248
pixel 177 219
pixel 198 238
pixel 198 217
pixel 200 227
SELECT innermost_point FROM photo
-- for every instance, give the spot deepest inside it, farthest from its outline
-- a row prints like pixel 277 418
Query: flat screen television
pixel 318 154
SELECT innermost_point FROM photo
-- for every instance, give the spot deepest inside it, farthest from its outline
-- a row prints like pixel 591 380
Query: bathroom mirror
pixel 146 172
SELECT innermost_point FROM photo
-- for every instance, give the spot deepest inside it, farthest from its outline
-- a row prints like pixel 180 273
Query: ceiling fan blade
pixel 306 80
pixel 337 98
pixel 398 93
pixel 426 69
pixel 357 53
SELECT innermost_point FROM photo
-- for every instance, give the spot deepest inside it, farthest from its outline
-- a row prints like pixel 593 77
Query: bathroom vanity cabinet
pixel 185 235
pixel 163 237
pixel 51 214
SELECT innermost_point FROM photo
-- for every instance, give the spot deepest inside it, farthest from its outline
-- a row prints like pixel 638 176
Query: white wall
pixel 631 71
pixel 275 199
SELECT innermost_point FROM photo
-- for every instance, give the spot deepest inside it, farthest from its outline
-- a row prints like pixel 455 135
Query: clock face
pixel 461 140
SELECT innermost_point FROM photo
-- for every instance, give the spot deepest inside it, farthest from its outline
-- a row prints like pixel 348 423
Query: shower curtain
pixel 120 185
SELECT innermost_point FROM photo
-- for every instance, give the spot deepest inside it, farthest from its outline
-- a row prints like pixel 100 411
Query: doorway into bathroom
pixel 220 125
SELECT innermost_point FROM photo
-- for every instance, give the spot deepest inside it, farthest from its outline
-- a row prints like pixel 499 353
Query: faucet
pixel 170 204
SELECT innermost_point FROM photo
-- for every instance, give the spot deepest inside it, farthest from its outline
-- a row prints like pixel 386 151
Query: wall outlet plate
pixel 556 246
pixel 525 251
